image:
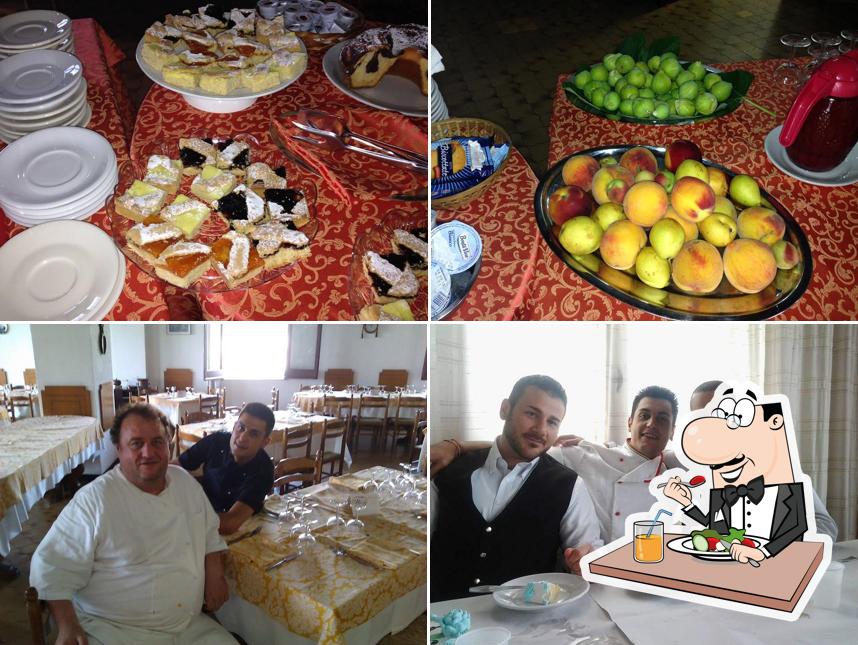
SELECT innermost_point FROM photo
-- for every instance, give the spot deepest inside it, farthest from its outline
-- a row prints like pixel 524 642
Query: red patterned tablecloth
pixel 828 216
pixel 510 242
pixel 112 110
pixel 314 289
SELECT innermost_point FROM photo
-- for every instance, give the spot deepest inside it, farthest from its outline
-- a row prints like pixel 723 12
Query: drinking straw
pixel 657 515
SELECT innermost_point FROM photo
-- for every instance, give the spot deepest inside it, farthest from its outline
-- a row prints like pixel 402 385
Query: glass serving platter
pixel 215 226
pixel 725 303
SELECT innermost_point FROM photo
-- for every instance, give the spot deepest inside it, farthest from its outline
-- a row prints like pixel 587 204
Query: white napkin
pixel 435 64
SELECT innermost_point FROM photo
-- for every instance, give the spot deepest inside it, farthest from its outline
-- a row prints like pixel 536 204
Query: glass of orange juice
pixel 649 541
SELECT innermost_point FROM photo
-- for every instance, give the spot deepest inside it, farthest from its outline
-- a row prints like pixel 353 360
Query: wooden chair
pixel 183 440
pixel 196 417
pixel 375 424
pixel 106 405
pixel 390 379
pixel 306 470
pixel 397 422
pixel 339 378
pixel 30 377
pixel 213 400
pixel 67 399
pixel 19 397
pixel 301 437
pixel 275 399
pixel 334 429
pixel 37 615
pixel 144 389
pixel 4 378
pixel 417 432
pixel 178 378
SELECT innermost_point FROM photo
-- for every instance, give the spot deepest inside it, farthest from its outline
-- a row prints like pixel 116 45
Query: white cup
pixel 485 636
pixel 827 594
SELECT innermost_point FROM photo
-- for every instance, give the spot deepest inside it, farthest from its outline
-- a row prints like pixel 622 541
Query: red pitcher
pixel 822 125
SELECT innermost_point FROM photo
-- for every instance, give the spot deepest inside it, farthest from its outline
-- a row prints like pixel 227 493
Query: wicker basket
pixel 469 128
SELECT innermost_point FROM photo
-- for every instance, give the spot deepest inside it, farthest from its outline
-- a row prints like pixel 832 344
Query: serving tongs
pixel 333 133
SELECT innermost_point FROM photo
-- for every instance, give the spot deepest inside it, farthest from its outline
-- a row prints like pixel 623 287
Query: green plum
pixel 599 72
pixel 684 107
pixel 646 93
pixel 697 69
pixel 667 55
pixel 660 82
pixel 709 80
pixel 670 66
pixel 636 77
pixel 613 77
pixel 721 90
pixel 706 103
pixel 653 63
pixel 612 101
pixel 620 84
pixel 582 78
pixel 629 92
pixel 643 108
pixel 661 111
pixel 683 77
pixel 625 64
pixel 627 107
pixel 689 90
pixel 610 61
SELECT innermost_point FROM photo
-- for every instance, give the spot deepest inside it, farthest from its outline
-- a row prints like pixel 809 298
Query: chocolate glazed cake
pixel 397 49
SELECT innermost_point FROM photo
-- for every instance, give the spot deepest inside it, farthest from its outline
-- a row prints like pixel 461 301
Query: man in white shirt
pixel 508 509
pixel 136 553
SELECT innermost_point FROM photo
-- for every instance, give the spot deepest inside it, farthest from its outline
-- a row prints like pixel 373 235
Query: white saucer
pixel 79 209
pixel 77 98
pixel 573 587
pixel 71 116
pixel 58 271
pixel 31 29
pixel 843 175
pixel 53 165
pixel 45 106
pixel 34 76
pixel 111 299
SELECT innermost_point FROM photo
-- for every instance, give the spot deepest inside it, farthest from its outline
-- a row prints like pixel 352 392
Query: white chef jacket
pixel 494 485
pixel 617 478
pixel 131 557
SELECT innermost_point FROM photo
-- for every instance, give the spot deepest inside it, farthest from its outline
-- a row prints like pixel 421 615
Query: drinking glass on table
pixel 648 541
pixel 850 40
pixel 339 503
pixel 355 524
pixel 790 73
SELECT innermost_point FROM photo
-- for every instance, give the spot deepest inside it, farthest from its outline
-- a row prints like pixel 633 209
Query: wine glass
pixel 828 40
pixel 789 73
pixel 850 38
pixel 339 503
pixel 355 524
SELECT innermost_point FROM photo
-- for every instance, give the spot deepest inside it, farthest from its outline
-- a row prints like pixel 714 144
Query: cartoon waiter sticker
pixel 759 513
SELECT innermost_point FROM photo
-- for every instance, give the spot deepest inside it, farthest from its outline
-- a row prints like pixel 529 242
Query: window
pixel 263 351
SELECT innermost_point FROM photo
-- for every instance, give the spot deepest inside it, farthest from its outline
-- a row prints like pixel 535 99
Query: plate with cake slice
pixel 213 214
pixel 384 67
pixel 387 275
pixel 541 591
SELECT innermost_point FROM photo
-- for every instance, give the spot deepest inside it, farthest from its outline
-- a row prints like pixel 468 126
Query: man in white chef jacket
pixel 618 476
pixel 136 554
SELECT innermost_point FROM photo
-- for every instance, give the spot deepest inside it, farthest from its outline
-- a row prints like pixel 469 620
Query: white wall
pixel 16 352
pixel 128 352
pixel 183 351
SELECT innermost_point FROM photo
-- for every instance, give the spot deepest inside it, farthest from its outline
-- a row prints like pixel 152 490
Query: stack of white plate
pixel 60 271
pixel 41 89
pixel 56 173
pixel 28 30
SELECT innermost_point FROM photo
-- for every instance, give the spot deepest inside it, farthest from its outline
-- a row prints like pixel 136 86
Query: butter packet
pixel 460 163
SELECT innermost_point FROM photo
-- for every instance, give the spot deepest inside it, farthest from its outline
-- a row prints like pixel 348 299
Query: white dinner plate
pixel 35 76
pixel 392 92
pixel 30 29
pixel 45 106
pixel 843 175
pixel 111 299
pixel 683 545
pixel 53 165
pixel 57 271
pixel 573 587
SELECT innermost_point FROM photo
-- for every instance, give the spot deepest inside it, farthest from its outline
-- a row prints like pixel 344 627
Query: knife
pixel 244 536
pixel 281 561
pixel 493 588
pixel 729 545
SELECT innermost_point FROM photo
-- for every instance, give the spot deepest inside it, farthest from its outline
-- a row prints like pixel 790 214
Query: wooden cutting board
pixel 777 584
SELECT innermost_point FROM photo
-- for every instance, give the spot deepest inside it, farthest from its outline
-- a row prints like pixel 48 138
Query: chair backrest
pixel 369 402
pixel 339 377
pixel 184 440
pixel 296 439
pixel 307 470
pixel 334 429
pixel 334 405
pixel 406 402
pixel 275 399
pixel 180 378
pixel 106 405
pixel 30 376
pixel 419 429
pixel 36 616
pixel 196 417
pixel 4 379
pixel 391 378
pixel 143 386
pixel 66 399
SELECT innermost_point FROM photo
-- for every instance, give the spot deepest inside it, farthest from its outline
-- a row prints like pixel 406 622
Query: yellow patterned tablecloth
pixel 320 595
pixel 283 422
pixel 32 449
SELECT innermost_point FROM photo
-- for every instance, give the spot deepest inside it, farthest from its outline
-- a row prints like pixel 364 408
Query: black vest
pixel 524 539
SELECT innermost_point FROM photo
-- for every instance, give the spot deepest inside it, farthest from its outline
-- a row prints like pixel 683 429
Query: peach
pixel 749 265
pixel 567 202
pixel 718 181
pixel 758 223
pixel 605 176
pixel 692 199
pixel 786 255
pixel 679 151
pixel 617 190
pixel 690 228
pixel 697 268
pixel 579 171
pixel 637 159
pixel 645 203
pixel 621 244
pixel 666 179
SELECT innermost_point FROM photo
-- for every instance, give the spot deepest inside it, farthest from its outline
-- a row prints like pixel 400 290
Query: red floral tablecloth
pixel 503 216
pixel 828 216
pixel 316 288
pixel 112 111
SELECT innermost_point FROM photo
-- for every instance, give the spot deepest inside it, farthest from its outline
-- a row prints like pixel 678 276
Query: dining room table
pixel 375 588
pixel 35 454
pixel 314 400
pixel 611 616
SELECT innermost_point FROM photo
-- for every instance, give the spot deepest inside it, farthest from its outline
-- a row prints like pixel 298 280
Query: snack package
pixel 460 163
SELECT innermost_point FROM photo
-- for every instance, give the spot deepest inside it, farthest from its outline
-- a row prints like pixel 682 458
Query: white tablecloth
pixel 175 407
pixel 621 617
pixel 308 400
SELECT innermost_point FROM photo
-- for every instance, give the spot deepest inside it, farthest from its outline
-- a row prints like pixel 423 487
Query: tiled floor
pixel 503 58
pixel 14 628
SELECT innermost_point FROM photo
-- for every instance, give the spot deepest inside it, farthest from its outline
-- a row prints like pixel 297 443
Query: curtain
pixel 816 367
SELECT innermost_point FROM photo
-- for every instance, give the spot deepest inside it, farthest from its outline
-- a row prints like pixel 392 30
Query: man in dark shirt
pixel 237 472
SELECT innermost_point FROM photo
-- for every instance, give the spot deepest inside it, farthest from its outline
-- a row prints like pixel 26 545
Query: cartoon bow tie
pixel 753 491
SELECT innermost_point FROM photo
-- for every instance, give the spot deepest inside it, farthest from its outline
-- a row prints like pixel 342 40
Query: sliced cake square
pixel 390 277
pixel 233 156
pixel 279 244
pixel 236 259
pixel 212 183
pixel 149 240
pixel 415 250
pixel 242 208
pixel 163 172
pixel 187 214
pixel 140 201
pixel 183 262
pixel 196 153
pixel 287 205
